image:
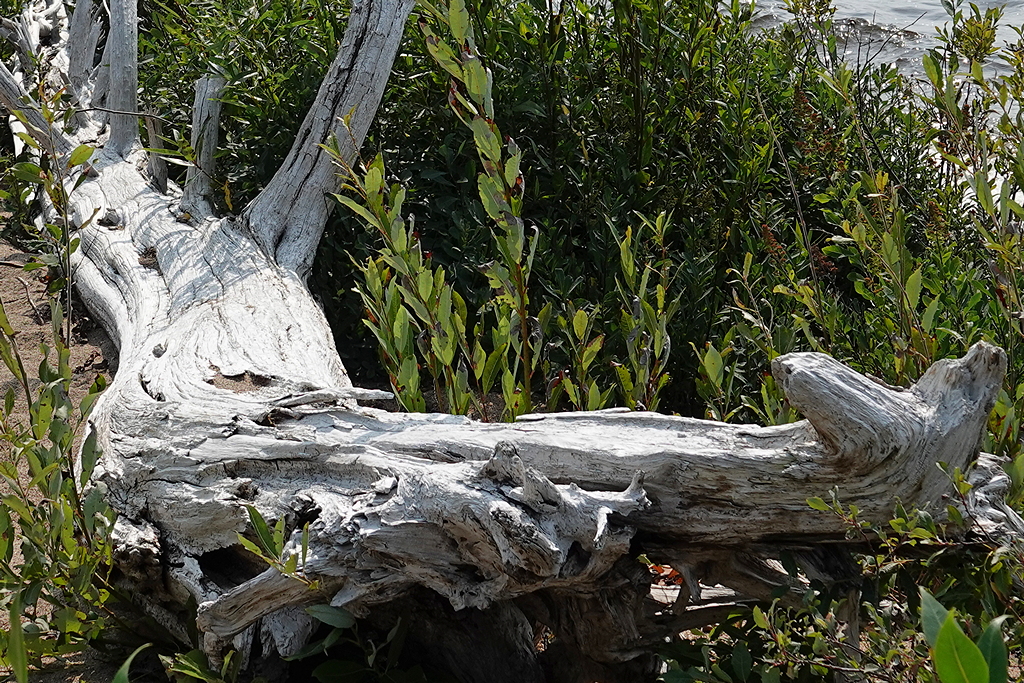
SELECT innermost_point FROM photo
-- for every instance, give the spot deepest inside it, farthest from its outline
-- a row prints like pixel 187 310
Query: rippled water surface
pixel 899 30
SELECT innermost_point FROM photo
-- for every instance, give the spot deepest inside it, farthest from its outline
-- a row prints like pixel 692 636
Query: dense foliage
pixel 579 205
pixel 806 203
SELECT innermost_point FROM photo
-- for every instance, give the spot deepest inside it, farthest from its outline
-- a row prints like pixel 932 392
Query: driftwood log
pixel 230 393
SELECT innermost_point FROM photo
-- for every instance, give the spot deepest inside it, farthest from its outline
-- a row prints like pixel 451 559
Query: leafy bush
pixel 869 233
pixel 55 550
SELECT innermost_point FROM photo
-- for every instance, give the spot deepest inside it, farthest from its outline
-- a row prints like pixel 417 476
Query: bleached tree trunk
pixel 230 393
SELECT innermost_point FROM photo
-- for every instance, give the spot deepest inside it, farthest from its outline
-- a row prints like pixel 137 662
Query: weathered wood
pixel 156 164
pixel 83 39
pixel 197 198
pixel 288 217
pixel 123 54
pixel 230 393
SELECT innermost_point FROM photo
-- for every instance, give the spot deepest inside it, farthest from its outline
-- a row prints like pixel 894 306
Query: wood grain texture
pixel 197 198
pixel 538 521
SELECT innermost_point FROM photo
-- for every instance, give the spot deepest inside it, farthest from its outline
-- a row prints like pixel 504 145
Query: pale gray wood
pixel 288 216
pixel 157 165
pixel 15 33
pixel 197 198
pixel 122 53
pixel 83 39
pixel 101 83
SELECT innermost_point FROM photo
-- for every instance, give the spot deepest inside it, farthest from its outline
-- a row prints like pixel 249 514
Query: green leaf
pixel 579 323
pixel 913 289
pixel 570 389
pixel 193 664
pixel 18 505
pixel 933 615
pixel 818 504
pixel 11 358
pixel 714 366
pixel 492 197
pixel 444 56
pixel 80 155
pixel 29 141
pixel 122 674
pixel 360 210
pixel 957 659
pixel 478 359
pixel 486 141
pixel 17 656
pixel 993 649
pixel 759 618
pixel 263 532
pixel 90 454
pixel 496 362
pixel 976 72
pixel 279 534
pixel 590 352
pixel 373 181
pixel 720 673
pixel 250 546
pixel 932 70
pixel 5 324
pixel 742 663
pixel 338 617
pixel 928 319
pixel 982 191
pixel 512 171
pixel 425 287
pixel 479 84
pixel 28 172
pixel 458 21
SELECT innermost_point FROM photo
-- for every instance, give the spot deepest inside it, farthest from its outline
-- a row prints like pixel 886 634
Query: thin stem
pixel 800 218
pixel 524 332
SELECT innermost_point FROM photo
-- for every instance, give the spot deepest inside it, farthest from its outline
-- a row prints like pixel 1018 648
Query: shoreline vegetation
pixel 660 202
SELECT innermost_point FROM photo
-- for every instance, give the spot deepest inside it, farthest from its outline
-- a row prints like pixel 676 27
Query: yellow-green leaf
pixel 914 289
pixel 458 20
pixel 714 366
pixel 16 654
pixel 80 155
pixel 486 141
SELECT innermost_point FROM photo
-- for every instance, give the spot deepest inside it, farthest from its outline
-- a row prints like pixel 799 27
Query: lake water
pixel 900 30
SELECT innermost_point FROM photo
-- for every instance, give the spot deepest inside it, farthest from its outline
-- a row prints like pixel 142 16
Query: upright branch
pixel 123 64
pixel 198 194
pixel 288 217
pixel 83 38
pixel 157 165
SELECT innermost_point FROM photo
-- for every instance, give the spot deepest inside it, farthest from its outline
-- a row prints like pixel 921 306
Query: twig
pixel 28 295
pixel 127 113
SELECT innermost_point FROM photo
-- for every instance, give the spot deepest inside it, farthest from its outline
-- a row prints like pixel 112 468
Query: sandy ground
pixel 25 300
